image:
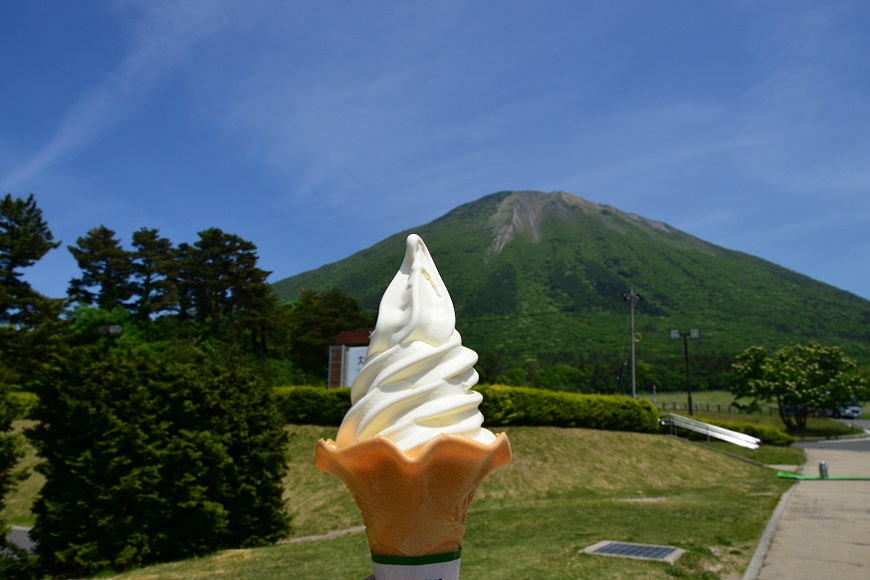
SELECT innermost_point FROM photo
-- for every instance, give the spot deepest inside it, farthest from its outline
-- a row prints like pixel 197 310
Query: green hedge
pixel 502 406
pixel 313 405
pixel 768 435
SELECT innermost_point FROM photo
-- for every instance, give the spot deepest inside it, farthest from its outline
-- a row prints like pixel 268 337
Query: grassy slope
pixel 564 490
pixel 18 503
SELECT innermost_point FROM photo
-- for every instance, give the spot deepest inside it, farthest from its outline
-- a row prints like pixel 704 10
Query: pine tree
pixel 228 292
pixel 29 322
pixel 106 270
pixel 316 319
pixel 155 271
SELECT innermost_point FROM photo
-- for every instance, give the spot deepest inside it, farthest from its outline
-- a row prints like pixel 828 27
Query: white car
pixel 850 412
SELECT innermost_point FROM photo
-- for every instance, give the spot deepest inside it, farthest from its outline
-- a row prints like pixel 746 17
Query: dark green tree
pixel 106 270
pixel 798 379
pixel 489 366
pixel 88 325
pixel 24 238
pixel 266 323
pixel 212 270
pixel 185 281
pixel 563 377
pixel 28 324
pixel 28 320
pixel 228 291
pixel 316 319
pixel 150 459
pixel 154 273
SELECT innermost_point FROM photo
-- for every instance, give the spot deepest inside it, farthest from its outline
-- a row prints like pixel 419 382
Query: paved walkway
pixel 821 529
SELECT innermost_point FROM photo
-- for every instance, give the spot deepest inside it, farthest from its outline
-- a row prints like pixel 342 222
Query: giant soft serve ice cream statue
pixel 411 448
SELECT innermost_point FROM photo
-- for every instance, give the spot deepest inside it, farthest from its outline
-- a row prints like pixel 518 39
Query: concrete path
pixel 20 536
pixel 822 527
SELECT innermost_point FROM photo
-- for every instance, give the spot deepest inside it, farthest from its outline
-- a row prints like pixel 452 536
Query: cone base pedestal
pixel 438 566
pixel 413 506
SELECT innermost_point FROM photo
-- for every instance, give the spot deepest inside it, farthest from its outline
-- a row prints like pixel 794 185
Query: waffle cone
pixel 413 506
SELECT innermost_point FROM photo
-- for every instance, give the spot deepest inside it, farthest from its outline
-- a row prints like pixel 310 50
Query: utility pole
pixel 632 298
pixel 694 334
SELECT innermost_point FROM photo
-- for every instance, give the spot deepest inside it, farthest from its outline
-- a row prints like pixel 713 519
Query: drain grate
pixel 638 551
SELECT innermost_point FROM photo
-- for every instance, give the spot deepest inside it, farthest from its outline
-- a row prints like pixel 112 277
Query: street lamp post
pixel 694 334
pixel 632 298
pixel 110 332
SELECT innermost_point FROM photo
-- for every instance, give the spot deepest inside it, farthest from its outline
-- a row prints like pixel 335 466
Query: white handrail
pixel 728 435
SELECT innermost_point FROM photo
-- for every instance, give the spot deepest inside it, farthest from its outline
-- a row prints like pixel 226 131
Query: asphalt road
pixel 857 444
pixel 21 538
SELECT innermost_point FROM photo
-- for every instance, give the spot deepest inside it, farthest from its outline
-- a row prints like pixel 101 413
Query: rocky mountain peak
pixel 522 213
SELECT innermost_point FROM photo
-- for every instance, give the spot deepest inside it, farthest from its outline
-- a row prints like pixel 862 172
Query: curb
pixel 757 561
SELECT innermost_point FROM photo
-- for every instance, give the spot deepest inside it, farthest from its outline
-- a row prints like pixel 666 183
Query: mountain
pixel 542 275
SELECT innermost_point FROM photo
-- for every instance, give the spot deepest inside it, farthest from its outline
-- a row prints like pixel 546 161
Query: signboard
pixel 354 359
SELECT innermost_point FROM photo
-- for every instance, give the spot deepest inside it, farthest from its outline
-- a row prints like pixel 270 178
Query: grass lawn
pixel 19 502
pixel 766 454
pixel 565 489
pixel 723 398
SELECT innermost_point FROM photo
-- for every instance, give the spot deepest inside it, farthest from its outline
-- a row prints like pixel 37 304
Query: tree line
pixel 214 283
pixel 599 373
pixel 209 292
pixel 155 420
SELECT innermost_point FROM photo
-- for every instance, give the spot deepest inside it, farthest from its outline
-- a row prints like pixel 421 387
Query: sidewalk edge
pixel 757 561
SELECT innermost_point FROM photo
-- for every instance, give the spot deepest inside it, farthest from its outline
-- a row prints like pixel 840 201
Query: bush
pixel 313 405
pixel 148 460
pixel 768 435
pixel 502 406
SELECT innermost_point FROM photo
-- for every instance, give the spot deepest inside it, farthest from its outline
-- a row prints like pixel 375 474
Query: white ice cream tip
pixel 417 379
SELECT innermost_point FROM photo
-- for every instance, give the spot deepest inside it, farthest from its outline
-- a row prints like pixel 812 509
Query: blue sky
pixel 317 129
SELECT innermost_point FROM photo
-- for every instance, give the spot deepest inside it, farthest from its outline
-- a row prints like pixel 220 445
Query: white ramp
pixel 728 435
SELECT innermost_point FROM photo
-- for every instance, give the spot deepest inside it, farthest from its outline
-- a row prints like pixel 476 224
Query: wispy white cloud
pixel 420 92
pixel 160 37
pixel 731 121
pixel 808 113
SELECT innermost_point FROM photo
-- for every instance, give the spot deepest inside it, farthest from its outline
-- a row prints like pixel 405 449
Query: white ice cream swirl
pixel 416 382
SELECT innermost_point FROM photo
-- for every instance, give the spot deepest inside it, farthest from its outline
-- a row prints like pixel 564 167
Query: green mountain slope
pixel 541 275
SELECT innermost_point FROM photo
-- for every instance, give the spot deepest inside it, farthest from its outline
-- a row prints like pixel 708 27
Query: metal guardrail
pixel 728 435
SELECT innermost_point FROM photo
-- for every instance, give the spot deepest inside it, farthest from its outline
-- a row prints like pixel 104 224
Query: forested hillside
pixel 538 279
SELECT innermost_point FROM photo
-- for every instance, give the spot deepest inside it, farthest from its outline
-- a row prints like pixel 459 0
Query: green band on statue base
pixel 416 560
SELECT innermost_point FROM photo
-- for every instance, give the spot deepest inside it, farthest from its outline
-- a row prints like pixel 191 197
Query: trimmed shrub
pixel 312 405
pixel 502 406
pixel 768 435
pixel 148 460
